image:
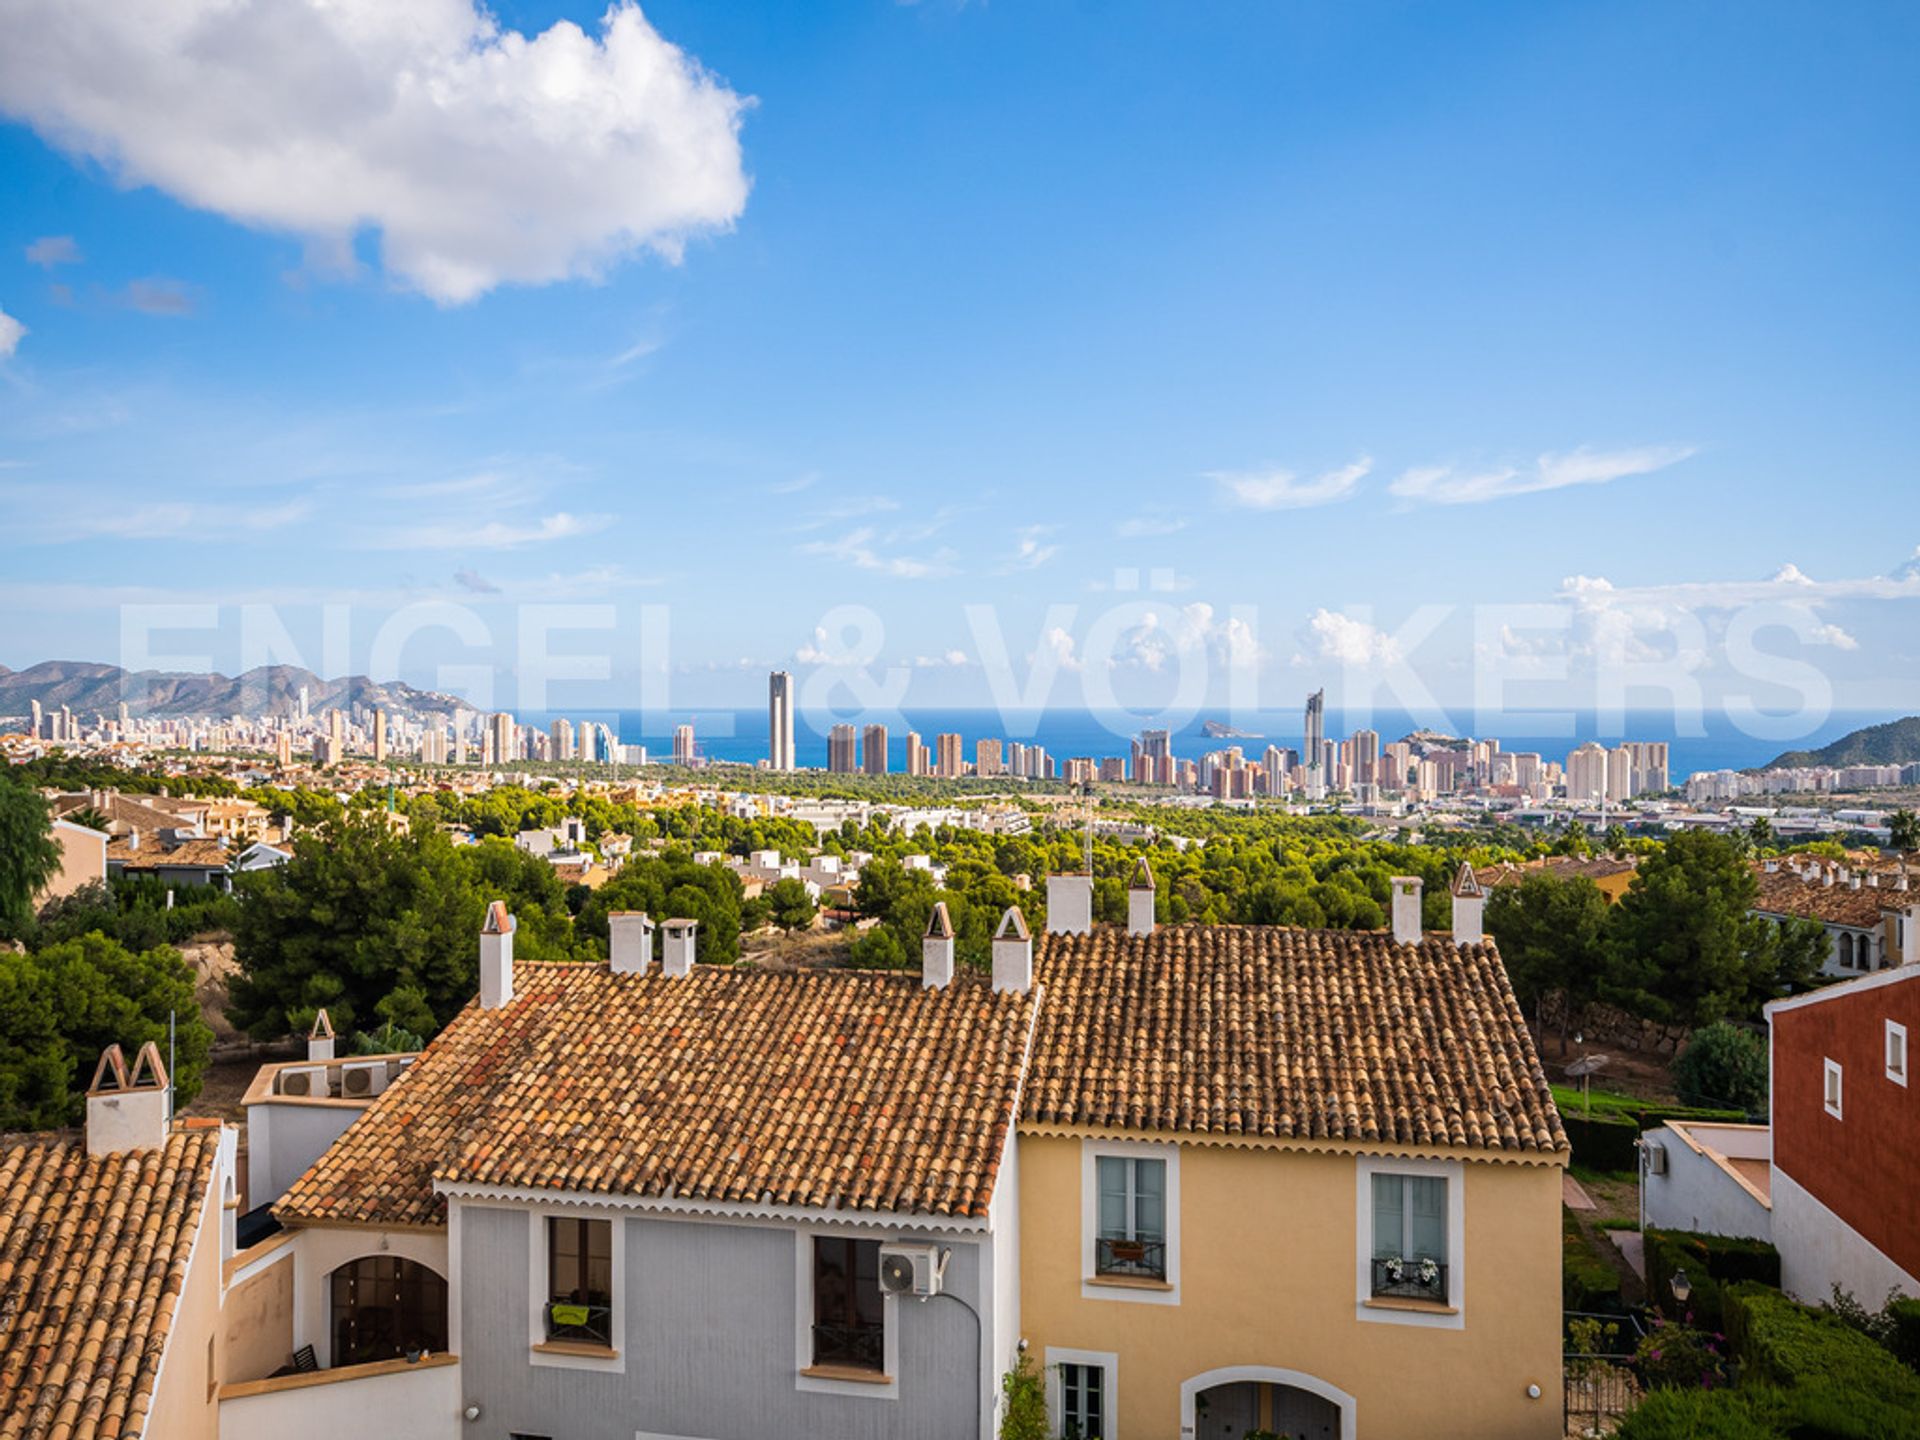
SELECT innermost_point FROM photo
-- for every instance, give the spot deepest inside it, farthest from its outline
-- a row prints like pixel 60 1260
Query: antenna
pixel 1086 791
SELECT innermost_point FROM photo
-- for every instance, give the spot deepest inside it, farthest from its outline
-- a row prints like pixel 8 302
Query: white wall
pixel 1819 1250
pixel 284 1138
pixel 420 1404
pixel 1697 1194
pixel 318 1252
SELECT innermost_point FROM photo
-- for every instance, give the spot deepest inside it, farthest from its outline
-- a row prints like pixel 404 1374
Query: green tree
pixel 36 1088
pixel 1552 935
pixel 1024 1416
pixel 672 888
pixel 1903 828
pixel 792 907
pixel 1760 835
pixel 1687 948
pixel 29 856
pixel 1614 842
pixel 1723 1066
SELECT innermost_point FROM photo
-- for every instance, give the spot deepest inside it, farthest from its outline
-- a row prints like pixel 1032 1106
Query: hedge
pixel 1906 1332
pixel 1588 1281
pixel 1711 1262
pixel 1602 1144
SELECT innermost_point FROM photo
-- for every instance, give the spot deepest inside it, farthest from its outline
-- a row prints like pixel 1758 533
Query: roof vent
pixel 1407 929
pixel 1013 953
pixel 1469 907
pixel 1140 898
pixel 936 950
pixel 679 948
pixel 320 1038
pixel 496 957
pixel 127 1110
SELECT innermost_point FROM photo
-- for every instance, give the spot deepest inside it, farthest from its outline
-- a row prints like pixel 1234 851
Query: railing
pixel 1135 1259
pixel 586 1324
pixel 863 1347
pixel 1598 1389
pixel 1410 1279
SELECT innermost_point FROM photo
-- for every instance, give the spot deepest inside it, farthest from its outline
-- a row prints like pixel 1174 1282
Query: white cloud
pixel 494 535
pixel 158 296
pixel 1349 641
pixel 51 250
pixel 1058 643
pixel 856 549
pixel 1450 485
pixel 1284 490
pixel 951 659
pixel 1835 636
pixel 10 332
pixel 1145 527
pixel 1030 551
pixel 481 155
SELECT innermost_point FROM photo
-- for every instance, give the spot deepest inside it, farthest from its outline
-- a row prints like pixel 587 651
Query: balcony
pixel 1132 1259
pixel 853 1347
pixel 576 1324
pixel 1410 1279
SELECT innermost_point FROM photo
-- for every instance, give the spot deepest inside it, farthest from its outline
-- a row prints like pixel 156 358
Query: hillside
pixel 89 689
pixel 1895 743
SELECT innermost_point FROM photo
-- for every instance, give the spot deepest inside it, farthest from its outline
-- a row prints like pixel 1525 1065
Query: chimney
pixel 1772 867
pixel 496 957
pixel 678 950
pixel 1406 909
pixel 1853 879
pixel 1826 877
pixel 127 1111
pixel 936 950
pixel 1070 904
pixel 1140 895
pixel 629 942
pixel 320 1037
pixel 1909 929
pixel 1469 907
pixel 1013 953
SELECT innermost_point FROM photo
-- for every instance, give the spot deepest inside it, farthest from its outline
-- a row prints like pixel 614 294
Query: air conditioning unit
pixel 912 1269
pixel 1656 1158
pixel 302 1080
pixel 363 1081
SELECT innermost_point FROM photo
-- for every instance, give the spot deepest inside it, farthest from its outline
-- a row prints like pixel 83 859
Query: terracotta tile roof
pixel 93 1255
pixel 1784 893
pixel 153 853
pixel 814 1089
pixel 1288 1034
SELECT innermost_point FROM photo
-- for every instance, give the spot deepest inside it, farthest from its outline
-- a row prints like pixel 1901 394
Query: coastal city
pixel 914 720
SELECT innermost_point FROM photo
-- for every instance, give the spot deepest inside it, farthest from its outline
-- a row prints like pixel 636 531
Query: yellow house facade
pixel 1289 1182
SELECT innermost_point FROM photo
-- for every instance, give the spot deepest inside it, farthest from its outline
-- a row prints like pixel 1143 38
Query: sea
pixel 1711 741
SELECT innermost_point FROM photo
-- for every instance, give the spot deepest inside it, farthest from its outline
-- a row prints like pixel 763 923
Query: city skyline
pixel 1624 344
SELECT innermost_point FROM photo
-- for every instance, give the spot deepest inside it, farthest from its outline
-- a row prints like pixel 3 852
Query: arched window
pixel 1846 950
pixel 383 1307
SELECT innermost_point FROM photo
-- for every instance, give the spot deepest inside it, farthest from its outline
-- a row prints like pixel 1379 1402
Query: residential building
pixel 918 760
pixel 1846 1124
pixel 986 758
pixel 683 745
pixel 780 721
pixel 1313 747
pixel 873 750
pixel 83 861
pixel 842 756
pixel 1870 925
pixel 504 734
pixel 379 737
pixel 1214 1241
pixel 1587 774
pixel 948 761
pixel 561 734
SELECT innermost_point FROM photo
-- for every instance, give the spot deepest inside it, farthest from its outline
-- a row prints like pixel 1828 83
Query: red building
pixel 1846 1138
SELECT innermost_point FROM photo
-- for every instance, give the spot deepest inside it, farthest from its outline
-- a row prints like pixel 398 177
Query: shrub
pixel 1723 1065
pixel 1792 1345
pixel 1025 1414
pixel 1679 1357
pixel 1603 1144
pixel 1711 1262
pixel 1905 1342
pixel 1588 1281
pixel 1702 1415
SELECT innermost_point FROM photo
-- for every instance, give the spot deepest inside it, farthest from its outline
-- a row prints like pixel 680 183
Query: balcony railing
pixel 1410 1279
pixel 585 1324
pixel 1134 1259
pixel 861 1347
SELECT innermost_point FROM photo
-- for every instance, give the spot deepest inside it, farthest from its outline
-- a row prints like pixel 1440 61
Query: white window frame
pixel 1109 1363
pixel 1451 1316
pixel 1833 1084
pixel 1896 1039
pixel 1094 1287
pixel 539 1278
pixel 887 1388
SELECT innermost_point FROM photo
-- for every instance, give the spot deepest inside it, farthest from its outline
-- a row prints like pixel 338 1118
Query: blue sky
pixel 1271 324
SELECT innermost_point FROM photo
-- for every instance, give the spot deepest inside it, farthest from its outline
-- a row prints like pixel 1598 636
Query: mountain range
pixel 1895 743
pixel 88 688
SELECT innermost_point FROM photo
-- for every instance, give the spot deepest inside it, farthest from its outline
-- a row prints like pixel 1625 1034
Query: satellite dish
pixel 1587 1065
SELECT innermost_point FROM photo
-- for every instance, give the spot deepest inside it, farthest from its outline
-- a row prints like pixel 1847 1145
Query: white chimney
pixel 127 1111
pixel 320 1038
pixel 1140 896
pixel 678 950
pixel 1469 907
pixel 1910 935
pixel 629 942
pixel 496 957
pixel 1407 929
pixel 1069 904
pixel 936 950
pixel 1772 867
pixel 1013 953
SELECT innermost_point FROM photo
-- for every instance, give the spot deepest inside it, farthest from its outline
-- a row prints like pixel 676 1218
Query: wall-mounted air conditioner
pixel 363 1081
pixel 912 1269
pixel 310 1080
pixel 1656 1158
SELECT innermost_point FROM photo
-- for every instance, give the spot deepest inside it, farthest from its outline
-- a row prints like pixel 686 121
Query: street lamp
pixel 1681 1286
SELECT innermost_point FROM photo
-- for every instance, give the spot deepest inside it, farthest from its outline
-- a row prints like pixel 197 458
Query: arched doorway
pixel 1225 1404
pixel 384 1306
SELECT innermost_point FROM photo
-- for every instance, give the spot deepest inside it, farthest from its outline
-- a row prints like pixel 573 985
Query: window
pixel 1833 1082
pixel 1083 1395
pixel 1133 1217
pixel 849 1314
pixel 384 1307
pixel 1846 950
pixel 1410 1236
pixel 580 1280
pixel 1896 1053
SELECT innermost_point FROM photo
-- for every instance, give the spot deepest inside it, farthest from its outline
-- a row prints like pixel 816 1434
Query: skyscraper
pixel 379 736
pixel 780 720
pixel 918 761
pixel 986 758
pixel 586 748
pixel 505 741
pixel 842 758
pixel 562 734
pixel 949 762
pixel 1314 751
pixel 683 746
pixel 873 750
